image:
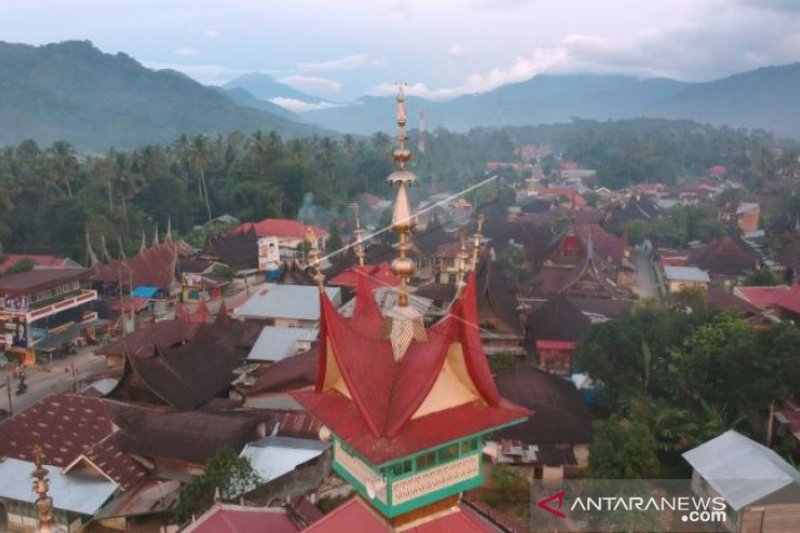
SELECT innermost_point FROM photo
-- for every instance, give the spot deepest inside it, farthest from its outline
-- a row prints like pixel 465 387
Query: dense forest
pixel 53 195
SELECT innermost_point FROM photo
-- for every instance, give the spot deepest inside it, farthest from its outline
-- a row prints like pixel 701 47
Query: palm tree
pixel 64 163
pixel 200 157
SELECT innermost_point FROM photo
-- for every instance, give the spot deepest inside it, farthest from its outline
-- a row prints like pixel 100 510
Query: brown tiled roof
pixel 291 373
pixel 192 374
pixel 725 255
pixel 33 280
pixel 165 333
pixel 560 415
pixel 557 320
pixel 153 267
pixel 68 426
pixel 238 250
pixel 190 436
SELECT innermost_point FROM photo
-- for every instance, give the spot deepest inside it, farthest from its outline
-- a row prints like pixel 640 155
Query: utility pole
pixel 8 389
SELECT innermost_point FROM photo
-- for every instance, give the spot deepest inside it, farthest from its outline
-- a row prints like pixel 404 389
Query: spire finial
pixel 359 234
pixel 91 260
pixel 314 256
pixel 402 218
pixel 403 323
pixel 461 263
pixel 476 246
pixel 41 484
pixel 143 246
pixel 155 237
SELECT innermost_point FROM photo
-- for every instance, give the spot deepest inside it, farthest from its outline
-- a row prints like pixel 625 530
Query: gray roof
pixel 72 492
pixel 276 343
pixel 740 469
pixel 293 302
pixel 386 297
pixel 272 457
pixel 682 273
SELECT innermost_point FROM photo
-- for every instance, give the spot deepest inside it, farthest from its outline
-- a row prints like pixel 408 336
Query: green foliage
pixel 507 485
pixel 334 238
pixel 22 266
pixel 760 278
pixel 680 226
pixel 501 361
pixel 623 449
pixel 511 261
pixel 329 503
pixel 226 472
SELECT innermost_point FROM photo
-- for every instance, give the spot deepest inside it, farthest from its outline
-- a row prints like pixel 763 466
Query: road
pixel 42 381
pixel 646 285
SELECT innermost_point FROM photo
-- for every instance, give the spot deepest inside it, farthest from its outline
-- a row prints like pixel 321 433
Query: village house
pixel 678 278
pixel 781 301
pixel 287 306
pixel 498 318
pixel 555 442
pixel 725 259
pixel 40 305
pixel 552 333
pixel 760 488
pixel 748 216
pixel 289 233
pixel 86 468
pixel 9 261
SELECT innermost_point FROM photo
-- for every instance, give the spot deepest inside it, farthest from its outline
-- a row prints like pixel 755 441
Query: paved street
pixel 646 286
pixel 42 381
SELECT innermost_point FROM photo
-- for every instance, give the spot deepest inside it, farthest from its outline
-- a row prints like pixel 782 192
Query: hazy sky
pixel 342 49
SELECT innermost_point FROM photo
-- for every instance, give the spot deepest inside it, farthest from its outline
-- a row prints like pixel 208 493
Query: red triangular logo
pixel 559 497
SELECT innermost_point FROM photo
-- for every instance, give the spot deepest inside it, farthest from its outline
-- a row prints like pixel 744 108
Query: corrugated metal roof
pixel 683 273
pixel 295 302
pixel 740 469
pixel 275 344
pixel 76 493
pixel 273 457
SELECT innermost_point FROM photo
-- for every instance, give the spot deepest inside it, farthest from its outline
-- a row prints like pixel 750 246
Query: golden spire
pixel 403 322
pixel 44 503
pixel 402 218
pixel 476 246
pixel 314 256
pixel 359 233
pixel 461 263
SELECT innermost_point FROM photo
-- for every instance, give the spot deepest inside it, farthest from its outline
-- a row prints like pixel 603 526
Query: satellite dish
pixel 325 434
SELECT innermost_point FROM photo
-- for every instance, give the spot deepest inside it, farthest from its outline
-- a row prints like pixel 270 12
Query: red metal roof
pixel 555 345
pixel 382 274
pixel 279 227
pixel 53 261
pixel 224 518
pixel 386 393
pixel 357 515
pixel 781 296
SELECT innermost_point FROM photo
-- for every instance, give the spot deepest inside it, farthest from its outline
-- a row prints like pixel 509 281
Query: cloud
pixel 723 39
pixel 780 5
pixel 207 74
pixel 350 62
pixel 458 51
pixel 212 33
pixel 299 106
pixel 312 83
pixel 185 51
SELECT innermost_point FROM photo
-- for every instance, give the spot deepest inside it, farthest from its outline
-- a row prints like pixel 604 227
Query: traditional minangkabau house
pixel 189 375
pixel 638 207
pixel 237 250
pixel 501 329
pixel 86 468
pixel 553 331
pixel 406 406
pixel 153 266
pixel 725 259
pixel 585 261
pixel 556 440
pixel 164 334
pixel 425 246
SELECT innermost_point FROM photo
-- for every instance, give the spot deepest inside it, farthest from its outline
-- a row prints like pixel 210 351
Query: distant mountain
pixel 265 88
pixel 244 98
pixel 764 98
pixel 75 92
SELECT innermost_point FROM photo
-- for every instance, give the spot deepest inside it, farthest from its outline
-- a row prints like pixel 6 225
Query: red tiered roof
pixel 153 267
pixel 386 393
pixel 279 227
